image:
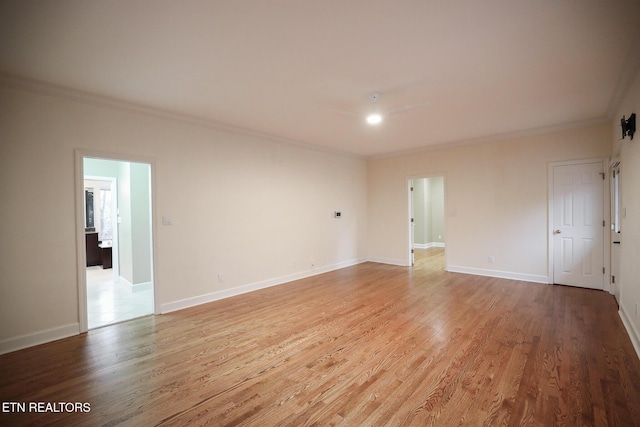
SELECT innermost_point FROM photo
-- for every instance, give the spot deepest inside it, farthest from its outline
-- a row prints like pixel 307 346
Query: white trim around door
pixel 81 279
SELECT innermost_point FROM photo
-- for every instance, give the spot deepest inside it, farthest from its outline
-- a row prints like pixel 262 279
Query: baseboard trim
pixel 239 290
pixel 428 245
pixel 499 274
pixel 144 286
pixel 631 330
pixel 37 338
pixel 135 286
pixel 124 281
pixel 390 261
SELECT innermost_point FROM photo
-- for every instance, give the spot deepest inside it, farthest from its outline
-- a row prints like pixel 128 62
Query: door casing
pixel 81 278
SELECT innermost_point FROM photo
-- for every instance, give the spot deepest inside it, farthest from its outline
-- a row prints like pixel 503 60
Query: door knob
pixel 557 231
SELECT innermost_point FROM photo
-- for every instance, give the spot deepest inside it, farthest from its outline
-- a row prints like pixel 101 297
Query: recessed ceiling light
pixel 374 118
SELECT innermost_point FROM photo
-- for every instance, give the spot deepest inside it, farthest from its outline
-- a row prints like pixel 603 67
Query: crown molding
pixel 90 98
pixel 543 130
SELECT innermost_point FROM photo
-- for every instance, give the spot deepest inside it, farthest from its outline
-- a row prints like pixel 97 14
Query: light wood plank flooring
pixel 428 259
pixel 369 345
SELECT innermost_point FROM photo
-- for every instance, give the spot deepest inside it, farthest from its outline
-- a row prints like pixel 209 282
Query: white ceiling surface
pixel 295 69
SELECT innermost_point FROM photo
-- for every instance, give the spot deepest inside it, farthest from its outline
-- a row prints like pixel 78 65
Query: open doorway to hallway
pixel 118 235
pixel 427 222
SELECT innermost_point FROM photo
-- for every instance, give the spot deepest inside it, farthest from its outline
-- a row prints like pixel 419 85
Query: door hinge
pixel 602 173
pixel 603 223
pixel 411 219
pixel 413 250
pixel 411 188
pixel 603 271
pixel 613 279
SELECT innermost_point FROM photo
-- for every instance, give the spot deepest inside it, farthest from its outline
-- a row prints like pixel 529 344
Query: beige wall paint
pixel 254 210
pixel 496 199
pixel 629 153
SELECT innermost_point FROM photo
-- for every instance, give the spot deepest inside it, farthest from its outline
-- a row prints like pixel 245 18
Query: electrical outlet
pixel 220 278
pixel 492 259
pixel 313 262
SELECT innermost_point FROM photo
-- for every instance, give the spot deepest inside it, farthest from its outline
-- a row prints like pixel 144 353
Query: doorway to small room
pixel 427 230
pixel 118 241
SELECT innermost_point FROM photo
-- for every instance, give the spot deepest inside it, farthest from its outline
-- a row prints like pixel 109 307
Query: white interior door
pixel 578 225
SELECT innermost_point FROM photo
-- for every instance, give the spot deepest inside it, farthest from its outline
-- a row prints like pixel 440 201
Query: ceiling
pixel 303 70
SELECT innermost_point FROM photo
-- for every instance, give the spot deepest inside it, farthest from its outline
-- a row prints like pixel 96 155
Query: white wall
pixel 629 153
pixel 496 200
pixel 252 209
pixel 141 250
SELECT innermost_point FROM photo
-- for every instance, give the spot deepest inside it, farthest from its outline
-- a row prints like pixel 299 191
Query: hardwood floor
pixel 371 345
pixel 428 259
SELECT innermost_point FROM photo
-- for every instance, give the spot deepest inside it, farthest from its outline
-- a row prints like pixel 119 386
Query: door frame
pixel 614 232
pixel 410 213
pixel 81 256
pixel 606 211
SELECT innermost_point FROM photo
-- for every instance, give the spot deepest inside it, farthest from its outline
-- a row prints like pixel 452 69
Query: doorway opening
pixel 427 225
pixel 118 264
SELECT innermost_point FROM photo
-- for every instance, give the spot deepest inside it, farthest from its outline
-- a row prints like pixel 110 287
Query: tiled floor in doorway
pixel 110 302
